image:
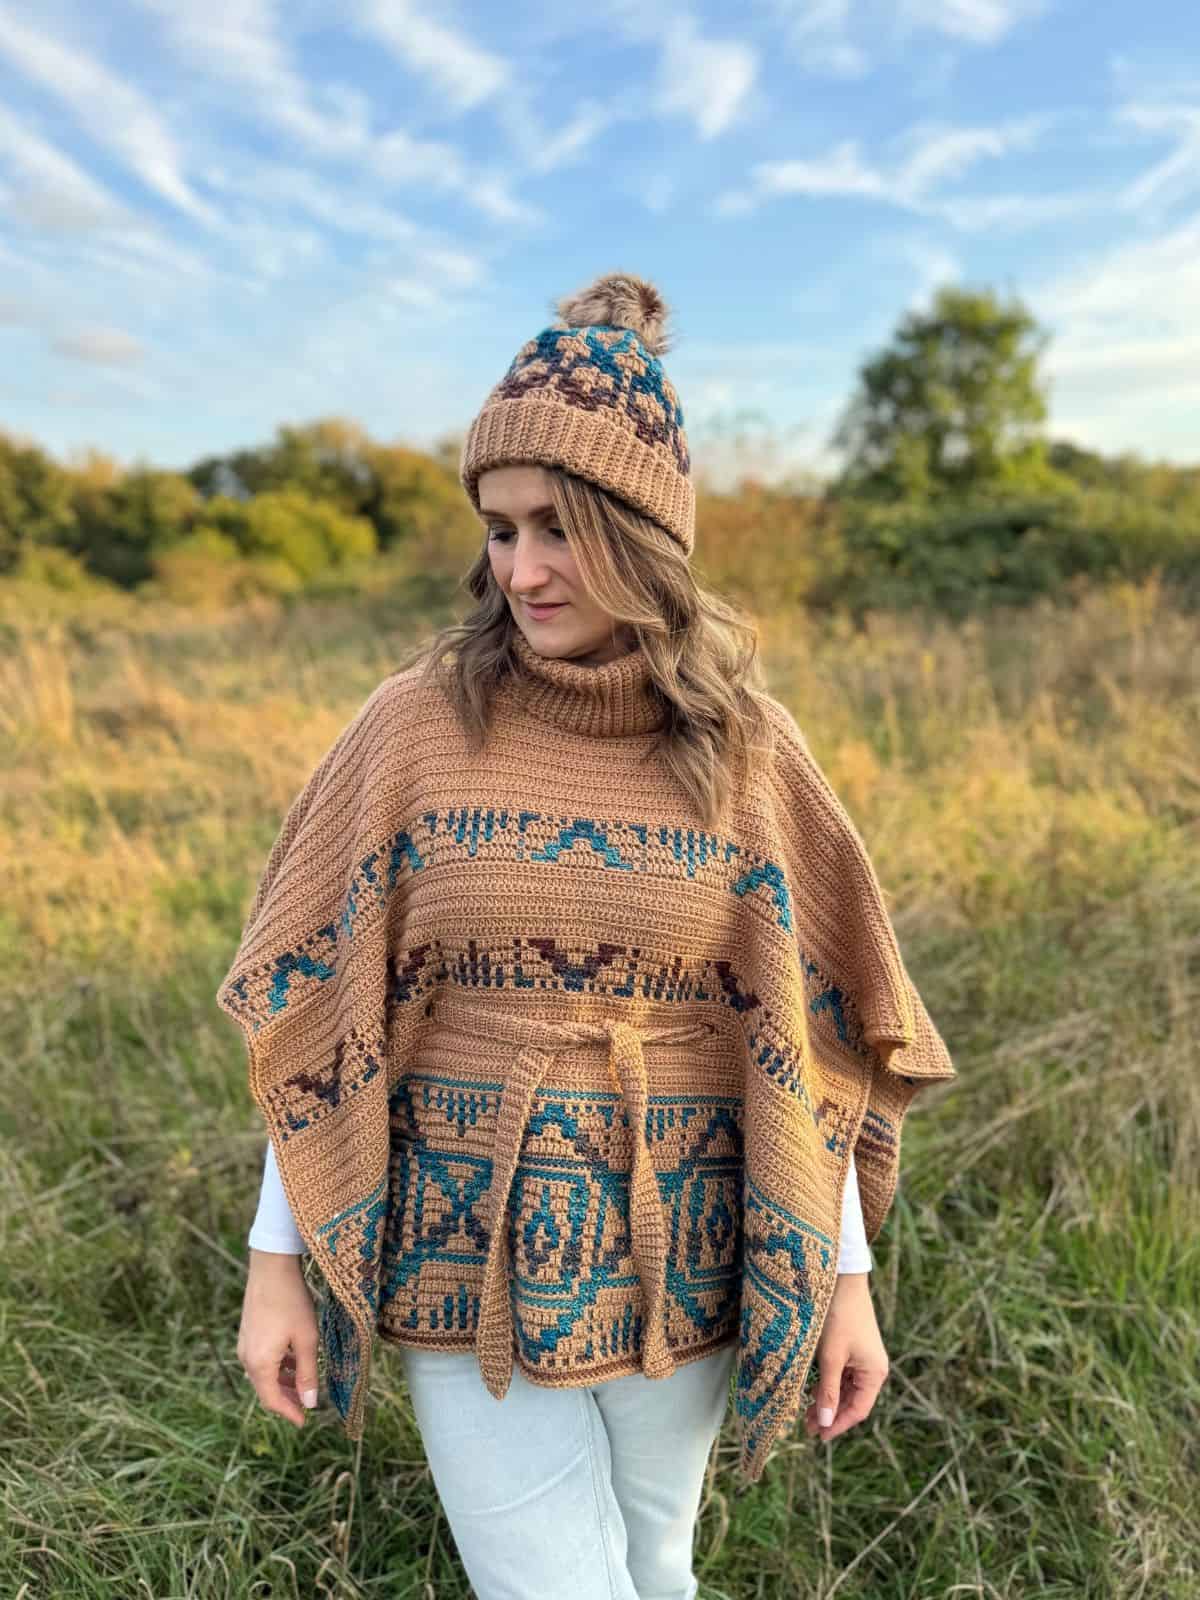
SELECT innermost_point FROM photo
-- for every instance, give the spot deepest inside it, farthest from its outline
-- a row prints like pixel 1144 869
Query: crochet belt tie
pixel 539 1041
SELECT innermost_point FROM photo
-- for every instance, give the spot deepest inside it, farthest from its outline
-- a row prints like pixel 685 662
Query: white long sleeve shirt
pixel 274 1227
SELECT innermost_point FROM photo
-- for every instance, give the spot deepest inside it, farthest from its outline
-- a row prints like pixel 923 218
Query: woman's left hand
pixel 851 1360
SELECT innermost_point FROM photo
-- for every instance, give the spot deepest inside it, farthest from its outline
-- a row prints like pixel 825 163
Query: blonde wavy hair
pixel 702 649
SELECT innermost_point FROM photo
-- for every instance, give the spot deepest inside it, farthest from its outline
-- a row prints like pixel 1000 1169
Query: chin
pixel 557 644
pixel 555 649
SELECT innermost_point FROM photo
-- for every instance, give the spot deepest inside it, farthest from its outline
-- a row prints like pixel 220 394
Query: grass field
pixel 1029 788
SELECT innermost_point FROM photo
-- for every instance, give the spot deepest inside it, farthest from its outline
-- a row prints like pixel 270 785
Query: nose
pixel 529 569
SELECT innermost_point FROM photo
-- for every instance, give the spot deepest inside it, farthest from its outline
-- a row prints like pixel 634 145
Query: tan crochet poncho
pixel 555 1073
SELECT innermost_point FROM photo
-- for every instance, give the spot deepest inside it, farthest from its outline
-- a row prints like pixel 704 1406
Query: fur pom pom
pixel 624 301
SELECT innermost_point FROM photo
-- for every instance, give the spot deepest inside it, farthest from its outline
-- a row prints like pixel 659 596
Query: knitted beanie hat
pixel 589 394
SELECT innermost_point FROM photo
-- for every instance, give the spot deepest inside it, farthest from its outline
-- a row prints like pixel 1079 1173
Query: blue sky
pixel 217 217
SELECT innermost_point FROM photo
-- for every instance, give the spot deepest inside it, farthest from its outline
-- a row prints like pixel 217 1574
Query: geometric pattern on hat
pixel 595 400
pixel 603 366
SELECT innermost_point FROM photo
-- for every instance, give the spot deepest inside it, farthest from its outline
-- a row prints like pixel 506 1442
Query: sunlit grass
pixel 1028 786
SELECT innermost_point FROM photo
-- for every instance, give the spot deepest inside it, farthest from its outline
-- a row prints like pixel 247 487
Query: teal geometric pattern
pixel 784 1260
pixel 564 360
pixel 572 1269
pixel 468 832
pixel 357 1231
pixel 740 1265
pixel 339 1341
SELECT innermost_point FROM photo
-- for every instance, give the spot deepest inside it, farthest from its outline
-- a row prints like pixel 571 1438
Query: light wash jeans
pixel 570 1493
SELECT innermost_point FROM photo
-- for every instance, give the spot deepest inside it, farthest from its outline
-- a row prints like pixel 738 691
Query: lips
pixel 544 611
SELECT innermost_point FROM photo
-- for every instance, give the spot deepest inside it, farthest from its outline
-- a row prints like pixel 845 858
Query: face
pixel 532 563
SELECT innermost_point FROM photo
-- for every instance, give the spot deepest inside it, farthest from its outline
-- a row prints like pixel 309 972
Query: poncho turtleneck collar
pixel 603 701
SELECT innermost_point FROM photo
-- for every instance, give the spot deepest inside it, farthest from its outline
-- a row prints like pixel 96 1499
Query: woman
pixel 576 1017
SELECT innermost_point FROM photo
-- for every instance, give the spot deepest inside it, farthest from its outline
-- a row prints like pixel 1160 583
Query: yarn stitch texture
pixel 595 401
pixel 553 1072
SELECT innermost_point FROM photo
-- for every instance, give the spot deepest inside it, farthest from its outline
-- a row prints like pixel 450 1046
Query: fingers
pixel 845 1396
pixel 860 1391
pixel 277 1382
pixel 274 1383
pixel 305 1350
pixel 277 1343
pixel 821 1413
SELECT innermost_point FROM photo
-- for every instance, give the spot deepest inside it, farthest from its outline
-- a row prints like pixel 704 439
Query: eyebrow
pixel 534 511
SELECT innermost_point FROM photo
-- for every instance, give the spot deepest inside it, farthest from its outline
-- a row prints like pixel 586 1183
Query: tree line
pixel 951 494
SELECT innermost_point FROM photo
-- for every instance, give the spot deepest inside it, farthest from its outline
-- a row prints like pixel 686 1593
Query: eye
pixel 497 532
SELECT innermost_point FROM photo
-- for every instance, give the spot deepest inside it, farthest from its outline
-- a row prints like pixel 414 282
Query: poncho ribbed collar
pixel 607 701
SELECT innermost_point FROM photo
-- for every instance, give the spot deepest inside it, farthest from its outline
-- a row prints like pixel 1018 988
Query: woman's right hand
pixel 277 1340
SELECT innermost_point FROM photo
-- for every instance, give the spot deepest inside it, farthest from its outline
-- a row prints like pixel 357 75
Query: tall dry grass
pixel 1028 787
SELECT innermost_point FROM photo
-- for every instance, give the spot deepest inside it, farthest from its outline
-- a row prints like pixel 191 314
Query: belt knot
pixel 539 1040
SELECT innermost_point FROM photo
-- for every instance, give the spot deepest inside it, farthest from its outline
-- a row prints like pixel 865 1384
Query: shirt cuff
pixel 274 1228
pixel 854 1254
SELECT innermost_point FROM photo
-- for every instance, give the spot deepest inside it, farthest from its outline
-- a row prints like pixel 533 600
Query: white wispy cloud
pixel 148 263
pixel 845 38
pixel 106 347
pixel 1177 175
pixel 407 254
pixel 457 269
pixel 1125 356
pixel 417 292
pixel 114 114
pixel 275 188
pixel 570 142
pixel 927 156
pixel 465 76
pixel 71 218
pixel 1010 213
pixel 240 43
pixel 50 191
pixel 704 79
pixel 817 34
pixel 1154 280
pixel 90 344
pixel 492 194
pixel 453 62
pixel 842 171
pixel 981 22
pixel 542 149
pixel 938 154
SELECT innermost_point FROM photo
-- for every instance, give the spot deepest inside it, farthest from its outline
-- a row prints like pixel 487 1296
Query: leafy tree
pixel 407 494
pixel 952 406
pixel 767 545
pixel 124 527
pixel 959 556
pixel 1087 468
pixel 50 567
pixel 326 460
pixel 35 501
pixel 418 498
pixel 293 535
pixel 1157 483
